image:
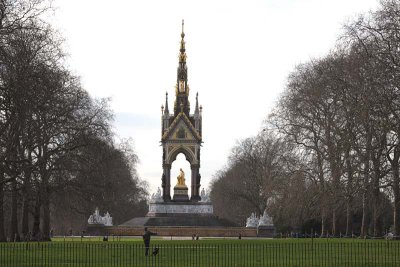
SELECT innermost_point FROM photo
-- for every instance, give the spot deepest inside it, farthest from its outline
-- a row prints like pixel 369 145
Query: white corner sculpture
pixel 205 197
pixel 252 221
pixel 105 220
pixel 264 220
pixel 156 197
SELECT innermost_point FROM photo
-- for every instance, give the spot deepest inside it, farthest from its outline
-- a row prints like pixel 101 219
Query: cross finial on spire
pixel 182 56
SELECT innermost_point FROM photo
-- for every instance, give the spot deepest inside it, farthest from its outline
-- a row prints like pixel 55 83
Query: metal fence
pixel 272 253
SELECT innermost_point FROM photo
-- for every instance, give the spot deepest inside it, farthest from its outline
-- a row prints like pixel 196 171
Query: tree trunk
pixel 376 202
pixel 394 163
pixel 333 163
pixel 14 234
pixel 2 233
pixel 46 214
pixel 25 217
pixel 349 194
pixel 25 205
pixel 364 211
pixel 36 219
pixel 323 195
pixel 323 222
pixel 396 202
pixel 349 216
pixel 366 181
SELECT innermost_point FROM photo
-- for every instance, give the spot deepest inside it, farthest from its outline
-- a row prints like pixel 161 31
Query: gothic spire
pixel 182 68
pixel 182 88
pixel 166 103
pixel 182 55
pixel 196 110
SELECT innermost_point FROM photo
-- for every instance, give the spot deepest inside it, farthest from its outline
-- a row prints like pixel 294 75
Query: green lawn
pixel 204 252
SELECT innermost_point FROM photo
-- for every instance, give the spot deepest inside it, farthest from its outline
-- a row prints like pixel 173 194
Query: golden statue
pixel 181 179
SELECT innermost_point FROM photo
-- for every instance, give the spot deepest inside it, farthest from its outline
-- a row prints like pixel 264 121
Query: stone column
pixel 195 183
pixel 166 182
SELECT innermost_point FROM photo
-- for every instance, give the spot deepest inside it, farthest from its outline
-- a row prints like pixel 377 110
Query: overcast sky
pixel 239 56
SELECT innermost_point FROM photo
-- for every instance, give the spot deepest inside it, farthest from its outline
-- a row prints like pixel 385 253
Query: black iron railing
pixel 270 253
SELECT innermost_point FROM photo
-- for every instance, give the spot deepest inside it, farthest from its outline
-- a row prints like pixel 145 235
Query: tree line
pixel 328 157
pixel 58 160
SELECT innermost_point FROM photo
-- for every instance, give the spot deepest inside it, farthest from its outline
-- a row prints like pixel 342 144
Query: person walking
pixel 146 239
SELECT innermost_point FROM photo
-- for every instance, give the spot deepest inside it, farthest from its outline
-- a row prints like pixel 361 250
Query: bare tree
pixel 377 37
pixel 256 169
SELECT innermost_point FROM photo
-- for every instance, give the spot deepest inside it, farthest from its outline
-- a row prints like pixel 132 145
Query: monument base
pixel 97 229
pixel 266 231
pixel 180 193
pixel 164 209
pixel 181 221
pixel 179 214
pixel 172 231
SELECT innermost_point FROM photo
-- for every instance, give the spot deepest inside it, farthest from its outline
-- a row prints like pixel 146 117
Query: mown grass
pixel 204 252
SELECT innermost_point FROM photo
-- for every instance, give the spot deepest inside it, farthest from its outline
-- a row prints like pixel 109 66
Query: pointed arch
pixel 185 151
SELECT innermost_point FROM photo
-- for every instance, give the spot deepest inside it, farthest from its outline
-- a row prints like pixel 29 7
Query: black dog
pixel 155 251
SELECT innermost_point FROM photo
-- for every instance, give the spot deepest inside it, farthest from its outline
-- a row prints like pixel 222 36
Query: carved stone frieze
pixel 168 208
